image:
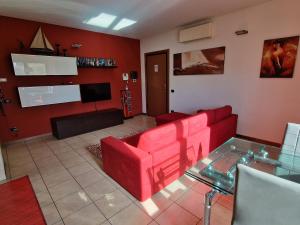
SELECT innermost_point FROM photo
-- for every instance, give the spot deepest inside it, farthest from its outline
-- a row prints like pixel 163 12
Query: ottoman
pixel 169 117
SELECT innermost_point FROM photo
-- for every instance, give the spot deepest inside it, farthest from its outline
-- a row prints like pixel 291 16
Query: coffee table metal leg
pixel 207 207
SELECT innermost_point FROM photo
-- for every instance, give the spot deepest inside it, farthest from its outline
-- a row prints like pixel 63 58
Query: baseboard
pixel 265 142
pixel 28 139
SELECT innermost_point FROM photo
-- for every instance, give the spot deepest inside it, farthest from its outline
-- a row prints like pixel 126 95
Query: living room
pixel 129 153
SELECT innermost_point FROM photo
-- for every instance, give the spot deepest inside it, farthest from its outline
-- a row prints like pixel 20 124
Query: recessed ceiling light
pixel 102 20
pixel 124 23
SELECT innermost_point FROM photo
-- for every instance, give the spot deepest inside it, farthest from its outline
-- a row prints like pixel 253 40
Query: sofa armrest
pixel 129 166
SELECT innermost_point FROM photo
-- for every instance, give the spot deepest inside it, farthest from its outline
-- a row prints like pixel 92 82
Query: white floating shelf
pixel 48 95
pixel 40 65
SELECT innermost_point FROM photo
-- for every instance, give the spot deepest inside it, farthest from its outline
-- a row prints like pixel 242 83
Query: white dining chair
pixel 264 199
pixel 291 142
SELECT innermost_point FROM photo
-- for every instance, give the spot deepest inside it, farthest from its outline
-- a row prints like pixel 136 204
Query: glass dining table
pixel 218 169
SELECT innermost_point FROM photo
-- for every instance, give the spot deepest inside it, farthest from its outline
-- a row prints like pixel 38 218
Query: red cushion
pixel 170 117
pixel 161 136
pixel 222 113
pixel 200 121
pixel 133 140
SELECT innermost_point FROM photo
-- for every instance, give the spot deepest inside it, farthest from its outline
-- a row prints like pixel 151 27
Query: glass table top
pixel 218 169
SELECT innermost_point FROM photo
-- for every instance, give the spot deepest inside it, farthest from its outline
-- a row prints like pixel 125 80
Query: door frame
pixel 166 51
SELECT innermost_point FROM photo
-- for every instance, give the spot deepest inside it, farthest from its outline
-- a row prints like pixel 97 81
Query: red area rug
pixel 19 205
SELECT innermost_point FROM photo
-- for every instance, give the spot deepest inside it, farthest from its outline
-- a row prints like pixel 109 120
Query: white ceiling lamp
pixel 124 23
pixel 102 20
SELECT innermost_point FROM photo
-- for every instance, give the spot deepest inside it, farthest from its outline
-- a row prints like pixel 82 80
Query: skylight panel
pixel 124 23
pixel 102 20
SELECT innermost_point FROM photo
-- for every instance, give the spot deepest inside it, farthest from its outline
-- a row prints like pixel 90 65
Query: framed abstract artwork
pixel 200 62
pixel 279 57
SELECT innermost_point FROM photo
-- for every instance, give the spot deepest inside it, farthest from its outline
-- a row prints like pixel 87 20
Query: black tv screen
pixel 95 92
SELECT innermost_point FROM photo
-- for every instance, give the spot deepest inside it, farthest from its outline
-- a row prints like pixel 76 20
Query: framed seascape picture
pixel 279 57
pixel 200 62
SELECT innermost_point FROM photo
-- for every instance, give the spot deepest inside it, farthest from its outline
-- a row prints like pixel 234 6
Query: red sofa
pixel 145 163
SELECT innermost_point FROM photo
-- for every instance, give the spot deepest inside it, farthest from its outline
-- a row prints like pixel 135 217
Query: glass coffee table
pixel 218 169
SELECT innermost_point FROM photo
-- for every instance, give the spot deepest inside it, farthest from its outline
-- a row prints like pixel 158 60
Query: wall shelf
pixel 92 62
pixel 96 67
pixel 41 65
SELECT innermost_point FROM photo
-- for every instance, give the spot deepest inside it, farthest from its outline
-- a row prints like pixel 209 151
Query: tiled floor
pixel 72 189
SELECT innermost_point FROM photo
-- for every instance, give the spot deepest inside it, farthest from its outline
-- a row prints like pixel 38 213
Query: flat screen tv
pixel 95 92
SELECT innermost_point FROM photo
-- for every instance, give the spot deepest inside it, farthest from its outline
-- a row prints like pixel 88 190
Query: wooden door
pixel 157 77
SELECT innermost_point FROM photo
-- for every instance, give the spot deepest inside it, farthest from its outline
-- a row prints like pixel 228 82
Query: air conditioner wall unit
pixel 197 32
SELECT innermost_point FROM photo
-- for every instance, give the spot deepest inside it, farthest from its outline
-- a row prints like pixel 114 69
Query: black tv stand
pixel 71 125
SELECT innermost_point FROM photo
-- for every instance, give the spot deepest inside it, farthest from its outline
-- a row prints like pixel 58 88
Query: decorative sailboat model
pixel 41 44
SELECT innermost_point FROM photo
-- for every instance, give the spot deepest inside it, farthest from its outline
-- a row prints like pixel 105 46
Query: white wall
pixel 264 106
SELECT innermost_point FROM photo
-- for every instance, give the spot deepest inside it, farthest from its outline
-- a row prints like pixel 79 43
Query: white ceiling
pixel 152 16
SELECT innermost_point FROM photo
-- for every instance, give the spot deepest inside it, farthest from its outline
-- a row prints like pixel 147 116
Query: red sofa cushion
pixel 223 112
pixel 200 121
pixel 170 117
pixel 133 140
pixel 163 135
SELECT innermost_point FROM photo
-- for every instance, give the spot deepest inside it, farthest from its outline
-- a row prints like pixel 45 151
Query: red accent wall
pixel 36 120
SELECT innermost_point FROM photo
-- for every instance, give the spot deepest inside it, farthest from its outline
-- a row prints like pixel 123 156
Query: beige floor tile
pixel 49 170
pixel 36 145
pixel 89 215
pixel 38 186
pixel 174 190
pixel 43 153
pixel 80 169
pixel 155 205
pixel 124 191
pixel 61 190
pixel 100 189
pixel 227 201
pixel 73 161
pixel 73 140
pixel 82 144
pixel 51 215
pixel 220 215
pixel 59 150
pixel 59 223
pixel 28 169
pixel 175 215
pixel 56 144
pixel 57 178
pixel 131 215
pixel 20 161
pixel 72 203
pixel 82 151
pixel 66 155
pixel 112 203
pixel 201 188
pixel 89 178
pixel 106 223
pixel 193 202
pixel 44 198
pixel 50 161
pixel 23 168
